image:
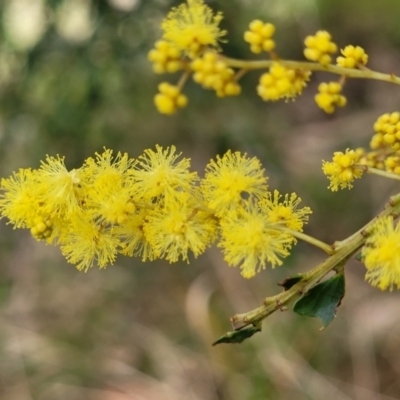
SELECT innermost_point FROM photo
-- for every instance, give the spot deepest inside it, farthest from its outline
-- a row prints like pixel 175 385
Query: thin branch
pixel 311 66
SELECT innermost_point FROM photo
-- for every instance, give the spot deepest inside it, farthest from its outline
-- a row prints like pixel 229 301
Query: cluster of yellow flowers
pixel 154 207
pixel 259 36
pixel 165 57
pixel 213 73
pixel 381 252
pixel 383 157
pixel 169 98
pixel 343 169
pixel 282 82
pixel 329 96
pixel 262 228
pixel 353 57
pixel 387 128
pixel 190 42
pixel 319 47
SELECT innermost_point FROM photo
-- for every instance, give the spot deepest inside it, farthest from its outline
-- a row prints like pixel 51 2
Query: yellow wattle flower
pixel 192 26
pixel 381 255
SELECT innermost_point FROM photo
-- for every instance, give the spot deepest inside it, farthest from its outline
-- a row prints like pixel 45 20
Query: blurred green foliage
pixel 145 330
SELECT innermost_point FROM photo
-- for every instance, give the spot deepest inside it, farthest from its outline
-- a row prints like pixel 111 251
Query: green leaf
pixel 290 281
pixel 238 336
pixel 322 300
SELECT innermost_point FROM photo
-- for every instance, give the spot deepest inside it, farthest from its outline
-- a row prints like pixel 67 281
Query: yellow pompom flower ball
pixel 212 73
pixel 353 57
pixel 192 26
pixel 281 82
pixel 319 47
pixel 343 169
pixel 329 96
pixel 387 128
pixel 169 99
pixel 259 36
pixel 165 57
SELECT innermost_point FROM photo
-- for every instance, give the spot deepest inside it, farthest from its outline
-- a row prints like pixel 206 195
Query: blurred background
pixel 74 77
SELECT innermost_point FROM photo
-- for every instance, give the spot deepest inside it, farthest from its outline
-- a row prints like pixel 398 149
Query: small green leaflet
pixel 322 300
pixel 238 336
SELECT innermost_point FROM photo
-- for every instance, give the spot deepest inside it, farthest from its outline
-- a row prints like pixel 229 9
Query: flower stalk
pixel 311 240
pixel 364 73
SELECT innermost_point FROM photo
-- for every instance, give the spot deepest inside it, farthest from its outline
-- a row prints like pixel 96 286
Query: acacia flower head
pixel 107 171
pixel 319 47
pixel 249 240
pixel 169 99
pixel 212 72
pixel 353 57
pixel 342 170
pixel 387 128
pixel 179 225
pixel 37 199
pixel 56 188
pixel 330 96
pixel 285 212
pixel 84 242
pixel 192 26
pixel 231 177
pixel 259 36
pixel 160 173
pixel 133 240
pixel 165 57
pixel 109 190
pixel 16 200
pixel 381 255
pixel 281 82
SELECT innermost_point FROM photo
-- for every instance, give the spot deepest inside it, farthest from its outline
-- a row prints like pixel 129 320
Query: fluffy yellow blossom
pixel 110 191
pixel 259 36
pixel 319 47
pixel 353 57
pixel 179 226
pixel 133 240
pixel 85 242
pixel 17 202
pixel 381 255
pixel 153 207
pixel 212 72
pixel 231 177
pixel 342 170
pixel 281 82
pixel 169 99
pixel 192 26
pixel 329 96
pixel 107 171
pixel 387 128
pixel 249 241
pixel 159 173
pixel 56 188
pixel 284 212
pixel 42 199
pixel 165 57
pixel 74 209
